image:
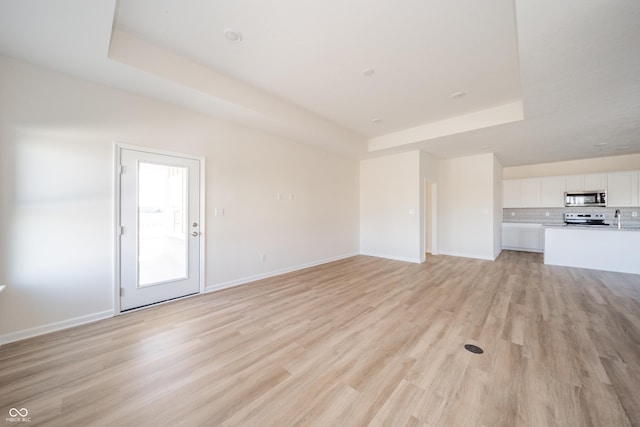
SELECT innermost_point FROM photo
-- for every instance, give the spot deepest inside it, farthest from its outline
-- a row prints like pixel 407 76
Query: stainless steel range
pixel 586 219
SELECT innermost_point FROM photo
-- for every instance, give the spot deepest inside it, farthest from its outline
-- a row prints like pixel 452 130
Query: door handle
pixel 195 234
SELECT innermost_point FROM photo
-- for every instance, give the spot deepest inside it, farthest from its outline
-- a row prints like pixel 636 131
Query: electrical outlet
pixel 546 214
pixel 634 214
pixel 513 214
pixel 263 257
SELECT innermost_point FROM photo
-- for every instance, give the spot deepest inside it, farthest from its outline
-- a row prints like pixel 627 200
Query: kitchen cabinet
pixel 531 239
pixel 589 182
pixel 547 192
pixel 521 193
pixel 523 237
pixel 552 190
pixel 511 193
pixel 510 237
pixel 530 193
pixel 595 181
pixel 624 189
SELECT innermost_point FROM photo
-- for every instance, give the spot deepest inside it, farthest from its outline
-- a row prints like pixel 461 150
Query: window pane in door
pixel 162 224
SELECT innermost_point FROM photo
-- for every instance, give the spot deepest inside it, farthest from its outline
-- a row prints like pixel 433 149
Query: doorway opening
pixel 430 237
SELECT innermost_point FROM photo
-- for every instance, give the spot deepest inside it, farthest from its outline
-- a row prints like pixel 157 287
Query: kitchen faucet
pixel 618 215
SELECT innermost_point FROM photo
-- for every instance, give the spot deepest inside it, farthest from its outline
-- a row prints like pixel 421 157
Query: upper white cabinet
pixel 511 193
pixel 521 193
pixel 530 193
pixel 533 192
pixel 552 190
pixel 623 189
pixel 595 181
pixel 590 182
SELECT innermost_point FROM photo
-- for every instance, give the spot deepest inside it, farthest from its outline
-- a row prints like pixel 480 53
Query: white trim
pixel 118 147
pixel 203 228
pixel 55 326
pixel 248 279
pixel 140 148
pixel 116 227
pixel 395 258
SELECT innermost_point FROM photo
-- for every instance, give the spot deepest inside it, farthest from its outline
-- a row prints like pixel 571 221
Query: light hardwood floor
pixel 362 341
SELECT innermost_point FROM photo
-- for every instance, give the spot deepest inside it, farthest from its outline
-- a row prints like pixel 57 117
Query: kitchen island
pixel 600 248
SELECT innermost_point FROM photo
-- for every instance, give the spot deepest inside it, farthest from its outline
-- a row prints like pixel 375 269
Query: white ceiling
pixel 544 80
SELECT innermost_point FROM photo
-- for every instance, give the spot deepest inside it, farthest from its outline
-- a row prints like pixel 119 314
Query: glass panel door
pixel 162 227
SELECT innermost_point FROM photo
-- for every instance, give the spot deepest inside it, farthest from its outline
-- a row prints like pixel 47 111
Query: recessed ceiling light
pixel 368 72
pixel 232 35
pixel 376 120
pixel 485 147
pixel 458 95
pixel 600 144
pixel 622 148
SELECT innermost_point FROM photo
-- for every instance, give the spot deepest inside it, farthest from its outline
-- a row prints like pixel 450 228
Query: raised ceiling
pixel 543 81
pixel 313 53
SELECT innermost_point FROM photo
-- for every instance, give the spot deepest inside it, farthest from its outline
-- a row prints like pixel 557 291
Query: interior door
pixel 160 228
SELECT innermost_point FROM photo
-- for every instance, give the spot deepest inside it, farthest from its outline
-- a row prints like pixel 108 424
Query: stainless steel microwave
pixel 585 198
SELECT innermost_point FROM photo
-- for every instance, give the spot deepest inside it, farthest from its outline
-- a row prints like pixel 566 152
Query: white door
pixel 160 228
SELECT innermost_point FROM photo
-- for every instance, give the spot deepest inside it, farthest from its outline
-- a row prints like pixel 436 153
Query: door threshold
pixel 142 307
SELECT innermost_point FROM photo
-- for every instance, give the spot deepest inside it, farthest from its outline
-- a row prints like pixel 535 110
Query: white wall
pixel 56 142
pixel 390 207
pixel 601 164
pixel 467 201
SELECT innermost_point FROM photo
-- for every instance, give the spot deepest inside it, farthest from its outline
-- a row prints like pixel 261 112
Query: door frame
pixel 117 148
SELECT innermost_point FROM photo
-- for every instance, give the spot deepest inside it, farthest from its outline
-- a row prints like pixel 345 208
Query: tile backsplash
pixel 556 215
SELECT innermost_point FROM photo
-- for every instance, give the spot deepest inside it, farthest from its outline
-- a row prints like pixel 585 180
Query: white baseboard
pixel 395 258
pixel 467 255
pixel 248 279
pixel 55 326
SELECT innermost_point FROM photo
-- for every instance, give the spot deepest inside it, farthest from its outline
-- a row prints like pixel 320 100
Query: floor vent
pixel 473 348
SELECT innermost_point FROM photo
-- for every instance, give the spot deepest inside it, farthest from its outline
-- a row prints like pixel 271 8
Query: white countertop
pixel 591 227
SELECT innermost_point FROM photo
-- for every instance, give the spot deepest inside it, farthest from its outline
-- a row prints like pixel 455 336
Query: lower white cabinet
pixel 523 237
